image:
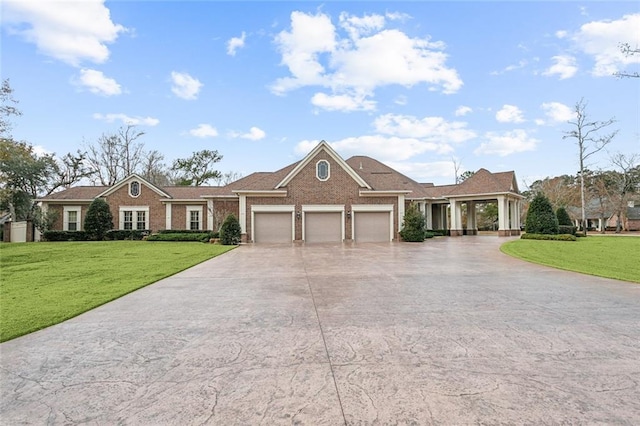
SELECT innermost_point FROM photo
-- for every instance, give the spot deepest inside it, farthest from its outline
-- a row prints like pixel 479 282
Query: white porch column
pixel 428 215
pixel 400 211
pixel 503 216
pixel 210 214
pixel 243 213
pixel 167 216
pixel 472 227
pixel 456 218
pixel 443 217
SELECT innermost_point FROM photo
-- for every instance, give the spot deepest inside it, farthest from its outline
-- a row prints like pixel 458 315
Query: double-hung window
pixel 134 218
pixel 71 218
pixel 194 218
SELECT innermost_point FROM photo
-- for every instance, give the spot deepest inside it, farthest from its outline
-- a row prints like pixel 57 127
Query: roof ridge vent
pixel 361 165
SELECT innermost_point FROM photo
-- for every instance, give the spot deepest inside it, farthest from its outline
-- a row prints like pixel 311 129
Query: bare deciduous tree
pixel 589 141
pixel 115 156
pixel 154 170
pixel 628 51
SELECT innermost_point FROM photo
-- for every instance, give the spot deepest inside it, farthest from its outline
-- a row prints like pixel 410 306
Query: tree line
pixel 26 174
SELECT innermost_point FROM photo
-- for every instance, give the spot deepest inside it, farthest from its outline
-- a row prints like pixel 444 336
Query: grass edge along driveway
pixel 42 284
pixel 603 256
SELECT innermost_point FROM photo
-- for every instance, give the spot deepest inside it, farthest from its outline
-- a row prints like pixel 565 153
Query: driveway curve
pixel 451 331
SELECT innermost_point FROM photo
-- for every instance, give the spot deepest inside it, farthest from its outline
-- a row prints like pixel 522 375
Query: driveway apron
pixel 451 331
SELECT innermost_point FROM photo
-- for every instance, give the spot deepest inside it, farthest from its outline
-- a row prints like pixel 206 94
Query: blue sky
pixel 413 84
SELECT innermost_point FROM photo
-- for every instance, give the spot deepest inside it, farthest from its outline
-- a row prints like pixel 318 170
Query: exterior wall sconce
pixel 349 214
pixel 298 215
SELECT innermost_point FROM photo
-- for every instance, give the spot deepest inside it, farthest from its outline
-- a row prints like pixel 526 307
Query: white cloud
pixel 425 172
pixel 355 64
pixel 72 31
pixel 561 34
pixel 204 131
pixel 345 103
pixel 235 43
pixel 556 112
pixel 509 114
pixel 254 134
pixel 432 129
pixel 126 119
pixel 521 64
pixel 565 67
pixel 96 82
pixel 600 40
pixel 384 148
pixel 463 110
pixel 185 86
pixel 399 138
pixel 506 143
pixel 400 100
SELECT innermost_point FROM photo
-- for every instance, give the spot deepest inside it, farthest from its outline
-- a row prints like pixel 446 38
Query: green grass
pixel 42 284
pixel 603 256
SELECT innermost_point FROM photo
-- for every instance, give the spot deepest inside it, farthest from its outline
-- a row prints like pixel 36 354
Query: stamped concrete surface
pixel 446 332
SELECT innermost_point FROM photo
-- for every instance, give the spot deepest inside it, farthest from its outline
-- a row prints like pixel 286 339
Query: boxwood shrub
pixel 65 236
pixel 567 229
pixel 182 236
pixel 186 231
pixel 552 237
pixel 126 234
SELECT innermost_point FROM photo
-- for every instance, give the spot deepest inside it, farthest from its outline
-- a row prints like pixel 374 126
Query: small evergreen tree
pixel 230 231
pixel 563 217
pixel 98 219
pixel 414 226
pixel 540 218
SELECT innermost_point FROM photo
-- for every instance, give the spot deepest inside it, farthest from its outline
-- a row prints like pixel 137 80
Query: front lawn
pixel 42 284
pixel 604 256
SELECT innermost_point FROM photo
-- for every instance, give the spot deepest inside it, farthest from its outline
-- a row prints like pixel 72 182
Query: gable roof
pixel 381 177
pixel 322 146
pixel 485 182
pixel 128 179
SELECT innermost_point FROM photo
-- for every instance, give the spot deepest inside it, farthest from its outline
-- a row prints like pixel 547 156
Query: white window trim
pixel 133 209
pixel 66 210
pixel 139 188
pixel 200 218
pixel 328 170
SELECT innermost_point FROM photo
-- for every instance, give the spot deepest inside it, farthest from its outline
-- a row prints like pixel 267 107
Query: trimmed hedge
pixel 439 232
pixel 65 236
pixel 126 234
pixel 567 229
pixel 552 237
pixel 203 237
pixel 187 231
pixel 429 234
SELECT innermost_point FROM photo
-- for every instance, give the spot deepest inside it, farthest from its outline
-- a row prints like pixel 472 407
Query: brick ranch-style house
pixel 321 198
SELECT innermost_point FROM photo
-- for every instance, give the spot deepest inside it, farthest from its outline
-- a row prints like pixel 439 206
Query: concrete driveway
pixel 446 332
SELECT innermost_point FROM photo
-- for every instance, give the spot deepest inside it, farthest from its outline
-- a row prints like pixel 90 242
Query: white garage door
pixel 272 227
pixel 323 227
pixel 372 227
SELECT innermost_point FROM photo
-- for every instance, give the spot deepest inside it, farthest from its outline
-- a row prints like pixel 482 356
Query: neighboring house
pixel 630 218
pixel 321 198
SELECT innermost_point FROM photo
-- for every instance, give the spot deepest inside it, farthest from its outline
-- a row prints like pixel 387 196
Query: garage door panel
pixel 272 227
pixel 323 227
pixel 372 227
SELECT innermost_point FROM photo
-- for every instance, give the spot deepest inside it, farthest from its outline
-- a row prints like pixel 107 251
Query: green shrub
pixel 567 229
pixel 563 217
pixel 186 231
pixel 98 219
pixel 552 237
pixel 414 225
pixel 439 232
pixel 126 234
pixel 230 231
pixel 65 236
pixel 541 218
pixel 203 237
pixel 429 234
